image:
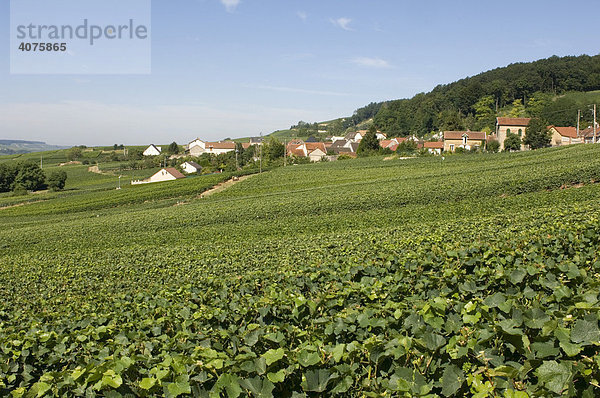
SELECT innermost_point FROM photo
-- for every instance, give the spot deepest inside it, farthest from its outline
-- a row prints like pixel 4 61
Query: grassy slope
pixel 63 266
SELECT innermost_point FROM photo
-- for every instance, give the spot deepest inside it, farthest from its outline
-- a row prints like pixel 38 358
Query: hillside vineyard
pixel 474 275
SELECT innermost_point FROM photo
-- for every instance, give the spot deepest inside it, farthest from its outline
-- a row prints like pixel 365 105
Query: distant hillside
pixel 12 147
pixel 521 89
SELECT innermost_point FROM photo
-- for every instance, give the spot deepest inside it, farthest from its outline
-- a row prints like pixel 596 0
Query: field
pixel 477 275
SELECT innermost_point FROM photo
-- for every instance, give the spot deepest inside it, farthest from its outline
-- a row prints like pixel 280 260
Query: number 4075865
pixel 43 47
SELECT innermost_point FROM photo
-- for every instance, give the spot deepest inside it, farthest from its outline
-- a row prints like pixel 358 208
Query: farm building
pixel 152 150
pixel 464 139
pixel 514 125
pixel 434 147
pixel 564 136
pixel 191 167
pixel 167 174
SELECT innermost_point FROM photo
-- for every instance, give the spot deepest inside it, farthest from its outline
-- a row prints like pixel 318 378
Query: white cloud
pixel 297 90
pixel 343 23
pixel 302 15
pixel 371 62
pixel 230 5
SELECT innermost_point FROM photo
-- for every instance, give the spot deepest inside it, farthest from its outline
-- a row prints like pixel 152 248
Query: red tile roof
pixel 246 145
pixel 296 152
pixel 174 172
pixel 221 145
pixel 311 146
pixel 565 131
pixel 458 135
pixel 434 145
pixel 385 143
pixel 513 121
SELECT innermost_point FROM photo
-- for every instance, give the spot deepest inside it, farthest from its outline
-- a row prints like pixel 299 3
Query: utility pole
pixel 260 144
pixel 284 153
pixel 594 126
pixel 236 158
pixel 578 117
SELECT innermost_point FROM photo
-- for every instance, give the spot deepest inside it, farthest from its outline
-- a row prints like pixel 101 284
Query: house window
pixel 507 131
pixel 451 147
pixel 465 139
pixel 520 133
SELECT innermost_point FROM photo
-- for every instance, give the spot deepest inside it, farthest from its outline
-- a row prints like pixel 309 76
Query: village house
pixel 464 139
pixel 152 150
pixel 256 140
pixel 313 150
pixel 564 136
pixel 200 147
pixel 392 144
pixel 588 135
pixel 343 146
pixel 514 125
pixel 191 167
pixel 166 174
pixel 434 147
pixel 196 142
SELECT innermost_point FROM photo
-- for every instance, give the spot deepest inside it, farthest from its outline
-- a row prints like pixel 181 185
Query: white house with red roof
pixel 166 174
pixel 564 136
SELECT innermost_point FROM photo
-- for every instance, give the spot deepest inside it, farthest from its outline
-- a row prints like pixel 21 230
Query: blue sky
pixel 232 68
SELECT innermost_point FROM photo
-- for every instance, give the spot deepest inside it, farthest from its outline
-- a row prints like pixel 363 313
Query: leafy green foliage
pixel 369 144
pixel 537 135
pixel 492 146
pixel 30 176
pixel 173 148
pixel 512 142
pixel 57 180
pixel 371 277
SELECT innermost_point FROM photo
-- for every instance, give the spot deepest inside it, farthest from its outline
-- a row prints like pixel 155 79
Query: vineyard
pixel 477 275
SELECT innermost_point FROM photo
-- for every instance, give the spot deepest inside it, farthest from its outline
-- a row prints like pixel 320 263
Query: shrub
pixel 56 180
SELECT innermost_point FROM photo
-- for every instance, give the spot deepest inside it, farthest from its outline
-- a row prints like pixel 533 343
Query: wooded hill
pixel 552 89
pixel 473 102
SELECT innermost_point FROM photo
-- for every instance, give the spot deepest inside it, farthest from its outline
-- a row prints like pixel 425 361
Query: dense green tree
pixel 273 149
pixel 537 135
pixel 537 103
pixel 56 180
pixel 74 153
pixel 493 146
pixel 7 177
pixel 407 147
pixel 30 176
pixel 369 144
pixel 517 109
pixel 485 113
pixel 512 142
pixel 173 148
pixel 451 121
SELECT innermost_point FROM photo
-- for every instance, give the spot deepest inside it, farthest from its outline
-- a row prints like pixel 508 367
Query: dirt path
pixel 20 204
pixel 96 169
pixel 224 185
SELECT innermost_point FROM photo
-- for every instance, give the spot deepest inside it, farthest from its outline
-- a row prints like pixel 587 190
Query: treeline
pixel 28 176
pixel 474 102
